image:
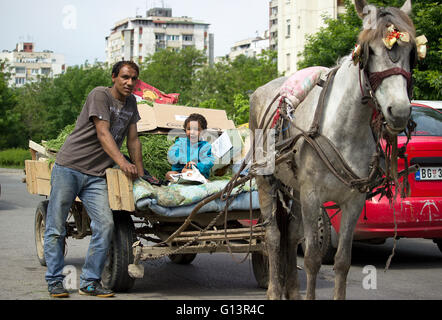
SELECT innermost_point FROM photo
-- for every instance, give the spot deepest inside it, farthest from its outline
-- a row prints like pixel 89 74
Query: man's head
pixel 124 77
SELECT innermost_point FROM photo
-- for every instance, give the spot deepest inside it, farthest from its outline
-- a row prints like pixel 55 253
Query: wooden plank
pixel 113 188
pixel 30 177
pixel 147 252
pixel 38 177
pixel 33 154
pixel 126 192
pixel 43 170
pixel 43 186
pixel 40 149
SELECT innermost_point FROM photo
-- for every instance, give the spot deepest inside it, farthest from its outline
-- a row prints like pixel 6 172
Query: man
pixel 107 117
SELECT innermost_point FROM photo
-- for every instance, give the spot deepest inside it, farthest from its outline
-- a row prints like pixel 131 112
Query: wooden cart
pixel 140 235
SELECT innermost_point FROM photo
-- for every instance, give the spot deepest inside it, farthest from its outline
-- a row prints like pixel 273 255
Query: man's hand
pixel 129 169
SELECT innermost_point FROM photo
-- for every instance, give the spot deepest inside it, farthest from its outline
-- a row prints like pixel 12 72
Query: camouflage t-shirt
pixel 82 150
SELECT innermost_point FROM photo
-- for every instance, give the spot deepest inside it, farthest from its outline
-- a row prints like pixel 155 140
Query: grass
pixel 14 158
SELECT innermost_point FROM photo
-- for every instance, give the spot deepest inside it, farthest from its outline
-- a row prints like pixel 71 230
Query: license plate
pixel 429 173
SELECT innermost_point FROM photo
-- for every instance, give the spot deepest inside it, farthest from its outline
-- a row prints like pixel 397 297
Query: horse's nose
pixel 399 114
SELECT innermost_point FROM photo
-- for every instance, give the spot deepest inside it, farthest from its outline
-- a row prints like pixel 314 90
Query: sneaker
pixel 57 290
pixel 95 289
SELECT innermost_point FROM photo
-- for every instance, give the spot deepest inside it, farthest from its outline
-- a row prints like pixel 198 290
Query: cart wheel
pixel 185 258
pixel 438 242
pixel 260 264
pixel 39 230
pixel 325 243
pixel 115 274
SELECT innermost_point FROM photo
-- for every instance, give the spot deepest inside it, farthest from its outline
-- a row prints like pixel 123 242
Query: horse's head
pixel 388 56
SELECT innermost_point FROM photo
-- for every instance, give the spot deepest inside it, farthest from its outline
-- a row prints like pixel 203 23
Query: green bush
pixel 14 157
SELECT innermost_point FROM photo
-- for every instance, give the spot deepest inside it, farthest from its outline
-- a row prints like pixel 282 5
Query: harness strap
pixel 321 102
pixel 376 78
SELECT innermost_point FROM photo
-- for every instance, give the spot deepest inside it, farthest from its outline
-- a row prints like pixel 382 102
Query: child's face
pixel 193 131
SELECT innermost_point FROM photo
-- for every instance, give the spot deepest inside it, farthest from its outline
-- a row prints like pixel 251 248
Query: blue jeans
pixel 66 185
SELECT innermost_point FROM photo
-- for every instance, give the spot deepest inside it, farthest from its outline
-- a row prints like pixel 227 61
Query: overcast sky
pixel 77 28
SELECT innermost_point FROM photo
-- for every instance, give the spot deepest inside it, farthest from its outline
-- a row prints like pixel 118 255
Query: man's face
pixel 124 83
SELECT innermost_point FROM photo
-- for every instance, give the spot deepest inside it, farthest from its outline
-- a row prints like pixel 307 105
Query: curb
pixel 14 171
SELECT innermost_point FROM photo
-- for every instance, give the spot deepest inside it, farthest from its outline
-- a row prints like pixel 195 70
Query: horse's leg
pixel 267 202
pixel 292 281
pixel 350 215
pixel 311 208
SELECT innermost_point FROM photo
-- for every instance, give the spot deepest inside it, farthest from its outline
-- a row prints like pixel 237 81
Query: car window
pixel 429 121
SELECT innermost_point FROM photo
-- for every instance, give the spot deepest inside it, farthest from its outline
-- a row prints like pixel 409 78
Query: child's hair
pixel 196 117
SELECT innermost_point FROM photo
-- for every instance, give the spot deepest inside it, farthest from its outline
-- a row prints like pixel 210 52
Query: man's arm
pixel 111 148
pixel 134 148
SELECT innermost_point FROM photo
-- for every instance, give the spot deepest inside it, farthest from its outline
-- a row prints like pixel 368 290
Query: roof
pixel 436 104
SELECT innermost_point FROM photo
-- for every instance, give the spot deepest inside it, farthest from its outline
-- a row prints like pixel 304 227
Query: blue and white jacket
pixel 183 151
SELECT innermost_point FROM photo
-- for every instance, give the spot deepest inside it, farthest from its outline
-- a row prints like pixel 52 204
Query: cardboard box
pixel 161 118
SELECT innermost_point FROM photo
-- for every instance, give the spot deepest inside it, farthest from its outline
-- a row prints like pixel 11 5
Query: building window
pixel 187 37
pixel 45 71
pixel 173 37
pixel 288 61
pixel 288 28
pixel 19 81
pixel 20 70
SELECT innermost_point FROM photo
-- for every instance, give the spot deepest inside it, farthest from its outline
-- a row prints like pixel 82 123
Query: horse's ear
pixel 407 7
pixel 360 5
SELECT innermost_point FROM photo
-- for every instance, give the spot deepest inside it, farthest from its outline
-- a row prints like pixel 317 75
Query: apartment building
pixel 136 38
pixel 290 21
pixel 251 47
pixel 27 65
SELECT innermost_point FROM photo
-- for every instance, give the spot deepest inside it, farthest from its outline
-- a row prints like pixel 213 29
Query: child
pixel 190 151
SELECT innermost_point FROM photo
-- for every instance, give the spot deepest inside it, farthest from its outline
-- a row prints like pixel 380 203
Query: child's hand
pixel 189 165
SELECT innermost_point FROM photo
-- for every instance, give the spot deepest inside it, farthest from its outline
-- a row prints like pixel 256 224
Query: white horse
pixel 346 123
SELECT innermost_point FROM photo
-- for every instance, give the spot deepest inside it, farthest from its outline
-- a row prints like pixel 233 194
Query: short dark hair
pixel 196 117
pixel 120 64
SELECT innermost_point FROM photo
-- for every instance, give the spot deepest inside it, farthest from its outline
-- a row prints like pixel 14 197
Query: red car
pixel 417 216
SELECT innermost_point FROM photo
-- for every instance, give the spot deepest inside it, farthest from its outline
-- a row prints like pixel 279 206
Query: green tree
pixel 47 106
pixel 173 71
pixel 228 84
pixel 9 120
pixel 338 37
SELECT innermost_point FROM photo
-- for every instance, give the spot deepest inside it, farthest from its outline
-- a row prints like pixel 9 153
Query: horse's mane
pixel 386 17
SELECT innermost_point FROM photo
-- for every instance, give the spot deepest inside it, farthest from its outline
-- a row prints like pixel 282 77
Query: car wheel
pixel 324 235
pixel 438 243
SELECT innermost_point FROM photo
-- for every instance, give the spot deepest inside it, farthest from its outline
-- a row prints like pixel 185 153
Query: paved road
pixel 415 272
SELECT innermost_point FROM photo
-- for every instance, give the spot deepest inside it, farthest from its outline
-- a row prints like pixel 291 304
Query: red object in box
pixel 149 93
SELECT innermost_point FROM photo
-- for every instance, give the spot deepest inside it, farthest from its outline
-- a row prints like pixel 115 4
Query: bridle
pixel 369 82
